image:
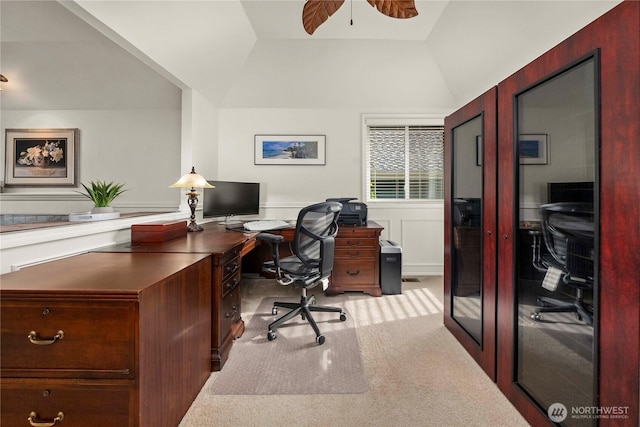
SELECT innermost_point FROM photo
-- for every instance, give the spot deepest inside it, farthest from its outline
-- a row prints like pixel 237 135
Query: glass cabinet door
pixel 470 168
pixel 466 219
pixel 555 274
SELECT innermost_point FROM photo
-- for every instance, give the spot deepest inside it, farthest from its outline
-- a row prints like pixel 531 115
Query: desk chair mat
pixel 294 363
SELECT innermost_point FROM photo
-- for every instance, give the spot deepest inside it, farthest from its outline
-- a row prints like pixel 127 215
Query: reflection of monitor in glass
pixel 231 198
pixel 570 192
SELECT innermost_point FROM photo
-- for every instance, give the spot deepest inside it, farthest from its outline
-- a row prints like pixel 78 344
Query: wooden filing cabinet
pixel 105 339
pixel 356 261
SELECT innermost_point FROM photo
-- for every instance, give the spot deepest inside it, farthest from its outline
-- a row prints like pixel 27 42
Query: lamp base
pixel 193 226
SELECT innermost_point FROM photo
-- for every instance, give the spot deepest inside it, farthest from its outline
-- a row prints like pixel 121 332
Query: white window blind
pixel 405 162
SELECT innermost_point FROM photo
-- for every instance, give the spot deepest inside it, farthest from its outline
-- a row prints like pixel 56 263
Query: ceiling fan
pixel 316 12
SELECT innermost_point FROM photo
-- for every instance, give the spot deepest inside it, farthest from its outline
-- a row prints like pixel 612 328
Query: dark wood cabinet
pixel 105 339
pixel 356 264
pixel 572 115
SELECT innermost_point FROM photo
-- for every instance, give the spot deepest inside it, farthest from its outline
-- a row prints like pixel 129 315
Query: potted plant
pixel 102 194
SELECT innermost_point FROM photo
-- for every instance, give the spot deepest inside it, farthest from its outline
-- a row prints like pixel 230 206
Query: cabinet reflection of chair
pixel 466 244
pixel 567 231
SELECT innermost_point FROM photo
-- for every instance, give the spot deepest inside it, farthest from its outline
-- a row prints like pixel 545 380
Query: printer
pixel 352 213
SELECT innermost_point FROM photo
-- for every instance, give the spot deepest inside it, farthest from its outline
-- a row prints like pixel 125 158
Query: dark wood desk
pixel 226 248
pixel 105 339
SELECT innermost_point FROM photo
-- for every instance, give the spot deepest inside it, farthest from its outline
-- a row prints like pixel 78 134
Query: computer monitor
pixel 570 192
pixel 230 198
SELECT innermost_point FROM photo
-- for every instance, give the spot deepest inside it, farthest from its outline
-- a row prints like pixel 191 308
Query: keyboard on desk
pixel 265 225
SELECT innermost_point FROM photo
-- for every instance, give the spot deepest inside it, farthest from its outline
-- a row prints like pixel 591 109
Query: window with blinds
pixel 405 162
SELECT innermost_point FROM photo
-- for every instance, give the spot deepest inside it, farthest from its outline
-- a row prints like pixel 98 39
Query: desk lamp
pixel 192 180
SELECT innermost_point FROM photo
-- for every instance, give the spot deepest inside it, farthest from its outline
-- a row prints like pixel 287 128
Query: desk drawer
pixel 97 339
pixel 81 403
pixel 230 283
pixel 357 242
pixel 356 252
pixel 229 311
pixel 353 272
pixel 230 268
pixel 348 232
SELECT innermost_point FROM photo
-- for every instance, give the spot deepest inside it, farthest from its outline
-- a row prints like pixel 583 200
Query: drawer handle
pixel 232 313
pixel 353 274
pixel 232 283
pixel 33 337
pixel 33 420
pixel 356 243
pixel 232 267
pixel 354 255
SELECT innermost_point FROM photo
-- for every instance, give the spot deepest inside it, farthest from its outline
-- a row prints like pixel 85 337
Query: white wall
pixel 417 227
pixel 139 148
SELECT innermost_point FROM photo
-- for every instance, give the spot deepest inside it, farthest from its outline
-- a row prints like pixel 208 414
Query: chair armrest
pixel 273 240
pixel 270 238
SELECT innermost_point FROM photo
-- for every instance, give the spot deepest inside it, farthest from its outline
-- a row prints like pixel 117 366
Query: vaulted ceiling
pixel 256 53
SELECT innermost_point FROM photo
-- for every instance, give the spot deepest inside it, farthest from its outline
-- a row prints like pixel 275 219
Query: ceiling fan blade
pixel 395 8
pixel 315 12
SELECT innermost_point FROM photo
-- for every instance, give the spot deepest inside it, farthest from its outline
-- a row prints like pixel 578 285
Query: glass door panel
pixel 556 280
pixel 470 223
pixel 466 220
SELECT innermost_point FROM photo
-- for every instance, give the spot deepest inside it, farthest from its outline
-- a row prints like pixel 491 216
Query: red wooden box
pixel 158 232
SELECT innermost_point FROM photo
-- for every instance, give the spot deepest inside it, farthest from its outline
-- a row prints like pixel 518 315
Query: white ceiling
pixel 224 48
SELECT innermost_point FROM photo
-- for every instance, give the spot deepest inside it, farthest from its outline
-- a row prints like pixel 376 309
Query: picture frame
pixel 289 149
pixel 533 149
pixel 41 157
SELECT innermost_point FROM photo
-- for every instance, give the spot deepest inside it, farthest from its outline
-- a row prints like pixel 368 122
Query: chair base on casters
pixel 553 305
pixel 304 309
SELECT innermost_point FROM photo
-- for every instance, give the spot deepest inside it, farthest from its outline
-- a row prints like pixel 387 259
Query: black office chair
pixel 311 263
pixel 567 230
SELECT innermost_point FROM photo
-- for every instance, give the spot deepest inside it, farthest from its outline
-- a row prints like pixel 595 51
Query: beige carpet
pixel 417 373
pixel 293 363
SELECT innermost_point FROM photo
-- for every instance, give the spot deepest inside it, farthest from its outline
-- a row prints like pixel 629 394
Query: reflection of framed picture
pixel 533 149
pixel 41 157
pixel 289 150
pixel 479 150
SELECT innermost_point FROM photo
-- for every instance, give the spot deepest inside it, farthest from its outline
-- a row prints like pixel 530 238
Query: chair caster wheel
pixel 536 316
pixel 271 335
pixel 320 339
pixel 274 310
pixel 343 317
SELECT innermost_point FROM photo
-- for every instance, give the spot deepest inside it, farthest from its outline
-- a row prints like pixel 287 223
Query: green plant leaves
pixel 102 193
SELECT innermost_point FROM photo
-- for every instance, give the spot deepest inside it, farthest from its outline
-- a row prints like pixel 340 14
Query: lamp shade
pixel 190 180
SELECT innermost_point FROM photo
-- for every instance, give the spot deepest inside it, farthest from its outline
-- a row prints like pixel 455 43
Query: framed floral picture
pixel 41 157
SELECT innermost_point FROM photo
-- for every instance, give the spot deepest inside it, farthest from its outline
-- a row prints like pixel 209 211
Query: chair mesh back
pixel 316 228
pixel 568 230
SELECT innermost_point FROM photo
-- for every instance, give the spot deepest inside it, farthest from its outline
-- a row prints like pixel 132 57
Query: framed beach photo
pixel 289 149
pixel 533 149
pixel 41 157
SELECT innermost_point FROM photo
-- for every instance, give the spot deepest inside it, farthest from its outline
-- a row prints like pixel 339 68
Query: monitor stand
pixel 230 223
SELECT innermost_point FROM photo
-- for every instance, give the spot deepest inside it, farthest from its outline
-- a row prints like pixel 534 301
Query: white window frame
pixel 393 120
